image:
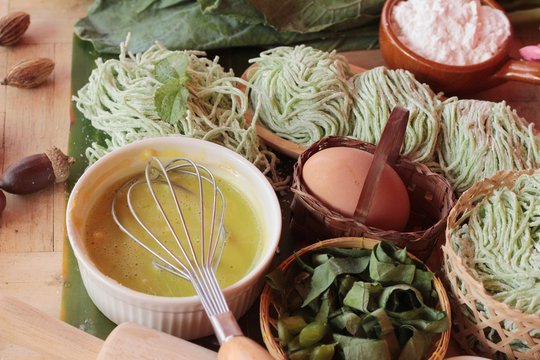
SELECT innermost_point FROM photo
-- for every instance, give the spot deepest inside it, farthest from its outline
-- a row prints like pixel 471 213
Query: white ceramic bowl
pixel 183 317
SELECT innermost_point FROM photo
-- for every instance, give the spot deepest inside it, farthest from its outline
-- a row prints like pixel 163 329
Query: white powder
pixel 457 32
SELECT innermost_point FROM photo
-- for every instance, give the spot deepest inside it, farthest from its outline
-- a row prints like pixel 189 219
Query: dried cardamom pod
pixel 12 27
pixel 29 73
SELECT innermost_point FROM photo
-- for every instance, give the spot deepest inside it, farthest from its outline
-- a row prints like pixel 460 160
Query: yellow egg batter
pixel 121 258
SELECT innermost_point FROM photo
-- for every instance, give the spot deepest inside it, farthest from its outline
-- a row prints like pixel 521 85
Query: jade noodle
pixel 162 92
pixel 499 242
pixel 302 93
pixel 479 138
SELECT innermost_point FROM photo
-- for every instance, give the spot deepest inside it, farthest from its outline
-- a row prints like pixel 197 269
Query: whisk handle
pixel 242 348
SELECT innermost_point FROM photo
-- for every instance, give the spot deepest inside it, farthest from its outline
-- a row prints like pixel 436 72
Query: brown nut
pixel 12 27
pixel 36 172
pixel 2 202
pixel 29 73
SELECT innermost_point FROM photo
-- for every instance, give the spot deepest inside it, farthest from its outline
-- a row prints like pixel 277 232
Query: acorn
pixel 36 172
pixel 3 202
pixel 29 73
pixel 12 27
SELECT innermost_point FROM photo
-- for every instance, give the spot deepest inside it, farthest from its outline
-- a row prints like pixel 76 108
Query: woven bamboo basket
pixel 475 313
pixel 431 198
pixel 268 305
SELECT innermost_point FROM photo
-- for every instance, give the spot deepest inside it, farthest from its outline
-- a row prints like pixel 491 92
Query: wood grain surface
pixel 31 120
pixel 32 227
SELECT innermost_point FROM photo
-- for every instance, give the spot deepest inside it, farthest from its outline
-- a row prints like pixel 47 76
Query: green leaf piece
pixel 362 296
pixel 276 280
pixel 343 252
pixel 423 282
pixel 378 325
pixel 327 306
pixel 354 348
pixel 348 321
pixel 417 343
pixel 399 298
pixel 172 67
pixel 387 267
pixel 170 100
pixel 424 318
pixel 345 284
pixel 241 10
pixel 325 274
pixel 306 16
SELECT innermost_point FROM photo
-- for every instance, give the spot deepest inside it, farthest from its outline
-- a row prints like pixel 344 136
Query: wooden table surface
pixel 32 227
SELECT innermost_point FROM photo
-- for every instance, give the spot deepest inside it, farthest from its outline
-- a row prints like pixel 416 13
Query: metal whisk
pixel 198 268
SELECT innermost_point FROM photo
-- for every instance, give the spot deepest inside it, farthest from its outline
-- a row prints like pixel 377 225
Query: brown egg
pixel 336 177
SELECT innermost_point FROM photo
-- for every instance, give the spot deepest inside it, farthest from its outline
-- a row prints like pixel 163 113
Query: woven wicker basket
pixel 475 313
pixel 268 313
pixel 431 198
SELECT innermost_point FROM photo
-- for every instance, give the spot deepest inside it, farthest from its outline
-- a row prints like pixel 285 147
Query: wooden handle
pixel 386 152
pixel 242 348
pixel 520 70
pixel 26 326
pixel 132 341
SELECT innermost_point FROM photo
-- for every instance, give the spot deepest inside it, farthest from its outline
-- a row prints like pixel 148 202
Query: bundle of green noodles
pixel 131 98
pixel 378 91
pixel 480 138
pixel 302 92
pixel 499 241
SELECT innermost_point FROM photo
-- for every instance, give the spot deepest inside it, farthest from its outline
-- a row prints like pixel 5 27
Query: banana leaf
pixel 213 25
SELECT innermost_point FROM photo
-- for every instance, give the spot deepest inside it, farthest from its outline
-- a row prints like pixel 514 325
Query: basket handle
pixel 386 152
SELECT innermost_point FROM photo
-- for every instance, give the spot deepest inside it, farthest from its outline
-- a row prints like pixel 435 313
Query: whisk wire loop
pixel 182 271
pixel 204 270
pixel 215 248
pixel 151 187
pixel 197 268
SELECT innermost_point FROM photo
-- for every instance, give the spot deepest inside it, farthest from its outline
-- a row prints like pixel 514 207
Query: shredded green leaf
pixel 366 318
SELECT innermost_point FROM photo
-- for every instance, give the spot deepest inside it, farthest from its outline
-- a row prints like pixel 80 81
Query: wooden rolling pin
pixel 26 326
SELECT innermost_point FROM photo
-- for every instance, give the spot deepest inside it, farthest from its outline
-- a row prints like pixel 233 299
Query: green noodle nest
pixel 119 100
pixel 480 138
pixel 378 91
pixel 499 241
pixel 302 94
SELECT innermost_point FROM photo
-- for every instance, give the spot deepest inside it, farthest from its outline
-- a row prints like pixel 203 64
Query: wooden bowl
pixel 453 79
pixel 268 303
